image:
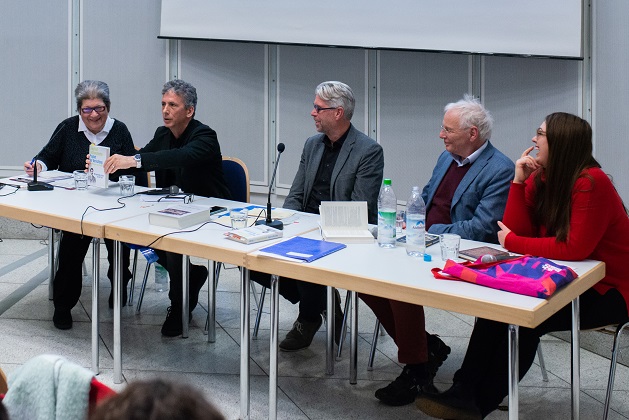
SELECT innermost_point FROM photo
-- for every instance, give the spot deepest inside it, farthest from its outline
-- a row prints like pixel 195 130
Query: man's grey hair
pixel 91 89
pixel 473 113
pixel 337 94
pixel 184 89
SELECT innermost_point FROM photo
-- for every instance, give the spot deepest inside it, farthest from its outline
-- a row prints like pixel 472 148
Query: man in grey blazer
pixel 466 194
pixel 340 164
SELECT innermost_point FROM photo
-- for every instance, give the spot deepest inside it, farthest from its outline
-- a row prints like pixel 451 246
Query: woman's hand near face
pixel 525 166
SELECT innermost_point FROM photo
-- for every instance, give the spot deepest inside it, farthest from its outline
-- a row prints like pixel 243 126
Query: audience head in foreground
pixel 157 399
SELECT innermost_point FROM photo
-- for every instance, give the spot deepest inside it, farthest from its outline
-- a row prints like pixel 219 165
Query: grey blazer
pixel 357 174
pixel 480 199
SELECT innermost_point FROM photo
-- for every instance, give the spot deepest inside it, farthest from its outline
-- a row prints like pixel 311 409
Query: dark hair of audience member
pixel 4 415
pixel 156 399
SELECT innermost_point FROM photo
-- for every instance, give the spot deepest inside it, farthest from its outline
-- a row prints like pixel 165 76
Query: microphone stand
pixel 277 224
pixel 38 185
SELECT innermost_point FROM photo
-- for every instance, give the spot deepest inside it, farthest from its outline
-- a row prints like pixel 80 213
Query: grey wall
pixel 257 95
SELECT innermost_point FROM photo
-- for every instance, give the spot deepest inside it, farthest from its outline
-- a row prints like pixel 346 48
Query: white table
pixel 64 209
pixel 390 273
pixel 210 243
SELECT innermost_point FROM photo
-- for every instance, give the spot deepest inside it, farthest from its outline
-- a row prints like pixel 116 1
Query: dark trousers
pixel 312 298
pixel 485 367
pixel 405 323
pixel 69 277
pixel 173 263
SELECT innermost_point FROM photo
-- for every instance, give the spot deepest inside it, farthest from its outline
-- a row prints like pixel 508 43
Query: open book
pixel 345 222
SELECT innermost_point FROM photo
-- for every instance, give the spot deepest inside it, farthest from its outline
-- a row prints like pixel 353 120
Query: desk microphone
pixel 173 189
pixel 488 258
pixel 42 186
pixel 277 224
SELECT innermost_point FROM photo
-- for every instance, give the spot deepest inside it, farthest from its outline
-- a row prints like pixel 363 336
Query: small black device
pixel 173 189
pixel 217 209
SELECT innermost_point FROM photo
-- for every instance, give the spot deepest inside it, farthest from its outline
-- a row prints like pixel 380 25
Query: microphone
pixel 277 224
pixel 42 186
pixel 488 258
pixel 173 189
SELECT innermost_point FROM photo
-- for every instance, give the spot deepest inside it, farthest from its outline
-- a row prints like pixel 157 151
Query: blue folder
pixel 303 249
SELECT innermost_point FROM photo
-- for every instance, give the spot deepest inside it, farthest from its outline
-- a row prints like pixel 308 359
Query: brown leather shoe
pixel 300 336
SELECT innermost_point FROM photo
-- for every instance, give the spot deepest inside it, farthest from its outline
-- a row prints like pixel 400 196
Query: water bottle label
pixel 415 230
pixel 386 225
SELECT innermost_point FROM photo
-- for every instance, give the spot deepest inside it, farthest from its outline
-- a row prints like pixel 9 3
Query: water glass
pixel 127 185
pixel 238 218
pixel 80 180
pixel 449 246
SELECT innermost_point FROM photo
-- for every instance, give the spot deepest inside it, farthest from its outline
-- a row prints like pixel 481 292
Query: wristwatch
pixel 138 161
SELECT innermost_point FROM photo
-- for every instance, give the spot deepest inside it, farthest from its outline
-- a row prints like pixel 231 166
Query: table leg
pixel 329 342
pixel 211 304
pixel 244 343
pixel 51 261
pixel 576 368
pixel 185 287
pixel 273 356
pixel 353 348
pixel 95 317
pixel 117 308
pixel 514 371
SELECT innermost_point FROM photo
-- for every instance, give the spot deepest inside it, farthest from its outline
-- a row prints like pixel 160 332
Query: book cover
pixel 96 175
pixel 302 249
pixel 253 234
pixel 345 221
pixel 473 254
pixel 180 216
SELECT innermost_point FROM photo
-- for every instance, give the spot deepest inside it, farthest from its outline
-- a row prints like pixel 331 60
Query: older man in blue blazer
pixel 340 164
pixel 466 194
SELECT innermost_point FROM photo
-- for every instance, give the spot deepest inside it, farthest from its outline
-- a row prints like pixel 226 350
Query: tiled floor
pixel 306 392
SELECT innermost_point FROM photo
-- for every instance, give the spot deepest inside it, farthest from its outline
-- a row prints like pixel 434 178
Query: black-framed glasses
pixel 319 109
pixel 540 133
pixel 98 109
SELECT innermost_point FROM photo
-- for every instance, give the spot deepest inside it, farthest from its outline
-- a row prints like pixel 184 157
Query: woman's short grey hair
pixel 337 94
pixel 473 113
pixel 91 89
pixel 184 89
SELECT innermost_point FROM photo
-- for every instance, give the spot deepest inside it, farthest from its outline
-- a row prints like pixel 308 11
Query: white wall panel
pixel 413 89
pixel 611 93
pixel 230 82
pixel 35 72
pixel 120 47
pixel 520 92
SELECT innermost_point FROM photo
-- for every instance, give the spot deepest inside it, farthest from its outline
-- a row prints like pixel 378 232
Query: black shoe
pixel 62 319
pixel 338 317
pixel 198 275
pixel 406 387
pixel 172 325
pixel 124 295
pixel 456 403
pixel 300 336
pixel 438 352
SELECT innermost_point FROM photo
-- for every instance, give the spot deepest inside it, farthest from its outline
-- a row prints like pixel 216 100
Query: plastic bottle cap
pixel 427 257
pixel 387 182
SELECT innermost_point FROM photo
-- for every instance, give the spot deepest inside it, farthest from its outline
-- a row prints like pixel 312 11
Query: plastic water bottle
pixel 161 278
pixel 415 224
pixel 387 209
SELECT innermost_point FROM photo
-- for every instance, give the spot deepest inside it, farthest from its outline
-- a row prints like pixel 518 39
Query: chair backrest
pixel 237 178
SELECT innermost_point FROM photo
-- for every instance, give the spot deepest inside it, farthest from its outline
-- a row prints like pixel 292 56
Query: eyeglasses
pixel 98 109
pixel 540 133
pixel 318 109
pixel 448 130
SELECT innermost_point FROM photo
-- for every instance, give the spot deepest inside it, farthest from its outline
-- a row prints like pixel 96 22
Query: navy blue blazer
pixel 480 199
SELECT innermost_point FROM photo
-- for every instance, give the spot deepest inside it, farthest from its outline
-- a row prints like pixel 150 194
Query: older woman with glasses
pixel 66 151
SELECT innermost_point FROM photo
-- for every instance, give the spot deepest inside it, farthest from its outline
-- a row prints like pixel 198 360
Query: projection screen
pixel 512 27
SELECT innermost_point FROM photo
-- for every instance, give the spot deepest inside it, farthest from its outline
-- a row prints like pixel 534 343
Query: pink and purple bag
pixel 526 275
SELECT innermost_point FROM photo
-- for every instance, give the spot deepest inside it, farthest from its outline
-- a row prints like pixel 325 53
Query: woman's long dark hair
pixel 569 154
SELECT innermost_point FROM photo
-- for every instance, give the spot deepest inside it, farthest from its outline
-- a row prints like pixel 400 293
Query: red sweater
pixel 599 228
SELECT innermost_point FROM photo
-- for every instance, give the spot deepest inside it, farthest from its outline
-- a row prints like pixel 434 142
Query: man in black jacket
pixel 186 153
